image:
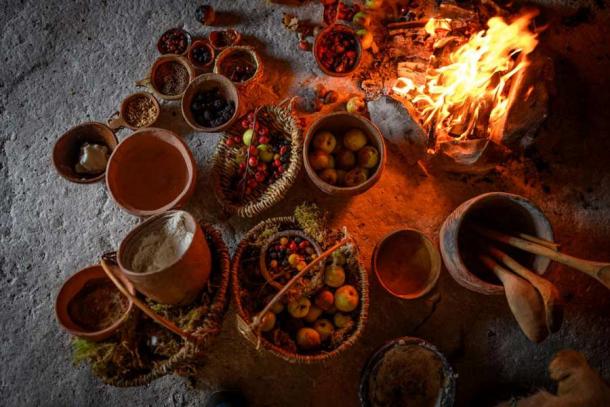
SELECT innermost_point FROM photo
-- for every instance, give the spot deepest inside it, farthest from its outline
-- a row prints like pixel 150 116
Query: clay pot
pixel 202 43
pixel 239 53
pixel 406 263
pixel 317 45
pixel 205 82
pixel 70 289
pixel 118 119
pixel 179 283
pixel 67 149
pixel 216 38
pixel 188 36
pixel 338 123
pixel 150 172
pixel 446 395
pixel 151 80
pixel 496 210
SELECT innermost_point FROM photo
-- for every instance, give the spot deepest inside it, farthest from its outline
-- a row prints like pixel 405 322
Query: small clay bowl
pixel 508 213
pixel 317 45
pixel 67 150
pixel 338 123
pixel 406 263
pixel 71 287
pixel 446 394
pixel 236 54
pixel 204 82
pixel 202 43
pixel 151 81
pixel 150 172
pixel 223 39
pixel 119 119
pixel 179 31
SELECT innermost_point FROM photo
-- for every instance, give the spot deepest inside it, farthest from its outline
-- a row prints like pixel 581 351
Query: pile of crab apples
pixel 318 317
pixel 347 160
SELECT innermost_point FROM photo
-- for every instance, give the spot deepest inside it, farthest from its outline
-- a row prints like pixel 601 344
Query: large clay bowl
pixel 70 289
pixel 406 263
pixel 67 149
pixel 495 210
pixel 150 172
pixel 338 123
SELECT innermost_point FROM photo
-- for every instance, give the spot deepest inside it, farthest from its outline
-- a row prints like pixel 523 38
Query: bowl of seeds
pixel 137 111
pixel 169 76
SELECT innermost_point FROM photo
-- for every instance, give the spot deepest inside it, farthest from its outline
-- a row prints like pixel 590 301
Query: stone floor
pixel 68 62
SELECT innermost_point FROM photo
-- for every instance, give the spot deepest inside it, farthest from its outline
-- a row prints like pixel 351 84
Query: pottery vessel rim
pixel 123 108
pixel 435 263
pixel 201 43
pixel 189 40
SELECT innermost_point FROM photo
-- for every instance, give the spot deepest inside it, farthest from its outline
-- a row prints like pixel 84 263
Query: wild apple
pixel 362 18
pixel 341 320
pixel 366 38
pixel 299 308
pixel 265 152
pixel 373 4
pixel 356 177
pixel 338 258
pixel 356 105
pixel 345 159
pixel 368 157
pixel 320 160
pixel 346 298
pixel 341 177
pixel 308 338
pixel 313 314
pixel 324 141
pixel 334 276
pixel 268 321
pixel 277 307
pixel 325 300
pixel 354 139
pixel 324 327
pixel 329 176
pixel 247 137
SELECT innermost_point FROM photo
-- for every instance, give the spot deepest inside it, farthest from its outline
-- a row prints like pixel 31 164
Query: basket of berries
pixel 300 290
pixel 258 160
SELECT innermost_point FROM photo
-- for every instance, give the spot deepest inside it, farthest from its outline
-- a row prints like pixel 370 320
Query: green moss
pixel 313 221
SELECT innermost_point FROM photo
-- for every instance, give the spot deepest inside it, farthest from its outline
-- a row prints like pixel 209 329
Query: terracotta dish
pixel 406 263
pixel 159 70
pixel 233 56
pixel 67 149
pixel 202 43
pixel 150 172
pixel 317 48
pixel 72 288
pixel 120 119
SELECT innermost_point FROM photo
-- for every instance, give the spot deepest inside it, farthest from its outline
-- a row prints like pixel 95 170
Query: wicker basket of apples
pixel 258 160
pixel 301 292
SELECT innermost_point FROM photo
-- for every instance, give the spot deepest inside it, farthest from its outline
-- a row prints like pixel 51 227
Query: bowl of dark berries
pixel 337 50
pixel 201 54
pixel 258 160
pixel 242 65
pixel 174 41
pixel 210 103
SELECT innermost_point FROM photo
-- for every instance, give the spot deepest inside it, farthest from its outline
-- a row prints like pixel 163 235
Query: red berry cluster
pixel 338 51
pixel 173 41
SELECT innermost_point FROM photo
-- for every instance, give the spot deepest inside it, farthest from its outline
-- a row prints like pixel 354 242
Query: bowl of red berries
pixel 258 160
pixel 337 50
pixel 174 41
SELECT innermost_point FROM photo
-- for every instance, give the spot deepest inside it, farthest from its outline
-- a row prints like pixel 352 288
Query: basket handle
pixel 143 306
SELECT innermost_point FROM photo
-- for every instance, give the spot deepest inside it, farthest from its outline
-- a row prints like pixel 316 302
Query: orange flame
pixel 456 96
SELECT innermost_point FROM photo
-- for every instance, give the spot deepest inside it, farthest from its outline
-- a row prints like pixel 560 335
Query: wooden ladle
pixel 523 300
pixel 548 292
pixel 596 269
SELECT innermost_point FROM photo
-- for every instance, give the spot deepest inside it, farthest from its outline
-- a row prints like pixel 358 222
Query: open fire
pixel 465 92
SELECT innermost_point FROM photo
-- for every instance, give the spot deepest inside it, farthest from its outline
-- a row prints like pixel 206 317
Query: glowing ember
pixel 463 96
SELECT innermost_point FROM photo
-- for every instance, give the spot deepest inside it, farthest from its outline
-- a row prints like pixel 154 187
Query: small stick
pixel 543 242
pixel 145 308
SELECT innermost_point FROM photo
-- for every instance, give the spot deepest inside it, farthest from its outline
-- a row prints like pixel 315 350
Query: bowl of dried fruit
pixel 241 64
pixel 312 302
pixel 337 50
pixel 257 160
pixel 344 154
pixel 210 103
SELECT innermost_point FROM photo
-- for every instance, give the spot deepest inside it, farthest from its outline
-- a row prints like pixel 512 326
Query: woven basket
pixel 287 223
pixel 265 196
pixel 188 358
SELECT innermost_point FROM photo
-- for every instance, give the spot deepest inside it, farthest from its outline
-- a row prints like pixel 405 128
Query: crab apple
pixel 346 298
pixel 355 177
pixel 362 18
pixel 366 38
pixel 265 152
pixel 324 327
pixel 341 320
pixel 329 176
pixel 354 139
pixel 368 157
pixel 308 338
pixel 355 105
pixel 313 314
pixel 299 308
pixel 373 4
pixel 345 159
pixel 277 307
pixel 341 177
pixel 247 137
pixel 334 276
pixel 325 300
pixel 320 160
pixel 324 141
pixel 267 321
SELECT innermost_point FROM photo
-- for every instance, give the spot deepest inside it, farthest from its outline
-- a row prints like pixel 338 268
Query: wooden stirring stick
pixel 543 242
pixel 523 300
pixel 598 270
pixel 548 292
pixel 144 307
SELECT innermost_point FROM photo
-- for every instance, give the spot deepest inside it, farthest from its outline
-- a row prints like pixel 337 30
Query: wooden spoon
pixel 523 300
pixel 548 291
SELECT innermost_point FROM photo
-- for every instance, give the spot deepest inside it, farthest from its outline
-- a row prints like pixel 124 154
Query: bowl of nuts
pixel 344 154
pixel 337 50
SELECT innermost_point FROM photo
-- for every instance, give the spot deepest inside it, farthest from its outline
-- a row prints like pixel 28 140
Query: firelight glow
pixel 473 85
